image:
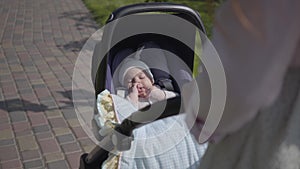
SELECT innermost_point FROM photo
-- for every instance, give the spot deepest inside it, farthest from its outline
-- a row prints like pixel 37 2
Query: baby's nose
pixel 139 85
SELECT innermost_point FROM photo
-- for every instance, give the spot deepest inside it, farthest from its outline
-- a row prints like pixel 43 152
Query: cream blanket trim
pixel 106 118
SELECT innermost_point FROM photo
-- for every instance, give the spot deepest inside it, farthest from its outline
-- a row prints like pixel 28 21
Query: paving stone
pixel 37 81
pixel 44 136
pixel 16 68
pixel 24 133
pixel 79 132
pixel 10 153
pixel 49 146
pixel 3 113
pixel 73 123
pixel 6 142
pixel 49 102
pixel 11 98
pixel 41 129
pixel 73 159
pixel 54 157
pixel 70 147
pixel 57 122
pixel 62 164
pixel 13 164
pixel 53 113
pixel 36 86
pixel 25 91
pixel 38 119
pixel 64 104
pixel 27 143
pixel 28 96
pixel 62 131
pixel 6 134
pixel 86 142
pixel 69 113
pixel 66 84
pixel 29 155
pixel 21 126
pixel 42 93
pixel 9 89
pixel 33 164
pixel 29 67
pixel 17 116
pixel 5 126
pixel 22 84
pixel 88 149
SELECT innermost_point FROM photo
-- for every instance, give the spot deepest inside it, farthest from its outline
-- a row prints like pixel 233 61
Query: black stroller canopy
pixel 181 10
pixel 144 24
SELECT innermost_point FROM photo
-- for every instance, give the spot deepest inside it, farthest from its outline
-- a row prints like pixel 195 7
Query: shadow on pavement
pixel 74 46
pixel 78 97
pixel 81 98
pixel 82 19
pixel 21 105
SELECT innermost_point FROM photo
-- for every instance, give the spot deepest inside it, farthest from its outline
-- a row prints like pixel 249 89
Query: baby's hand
pixel 133 93
pixel 157 95
pixel 134 89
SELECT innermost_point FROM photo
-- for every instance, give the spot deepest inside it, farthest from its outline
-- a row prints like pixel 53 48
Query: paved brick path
pixel 39 44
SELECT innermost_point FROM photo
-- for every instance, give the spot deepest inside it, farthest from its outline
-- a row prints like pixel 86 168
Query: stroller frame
pixel 95 158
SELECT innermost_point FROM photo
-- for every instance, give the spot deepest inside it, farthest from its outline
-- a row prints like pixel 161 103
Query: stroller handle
pixel 158 7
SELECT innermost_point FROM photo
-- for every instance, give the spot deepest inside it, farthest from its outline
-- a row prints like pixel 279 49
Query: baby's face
pixel 143 82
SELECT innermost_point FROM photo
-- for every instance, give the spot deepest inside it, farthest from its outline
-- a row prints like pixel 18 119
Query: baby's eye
pixel 142 76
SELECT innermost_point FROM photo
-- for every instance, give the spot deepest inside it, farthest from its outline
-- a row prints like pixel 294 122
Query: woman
pixel 258 43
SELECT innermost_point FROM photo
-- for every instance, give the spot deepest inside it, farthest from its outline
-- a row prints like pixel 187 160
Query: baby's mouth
pixel 140 88
pixel 143 92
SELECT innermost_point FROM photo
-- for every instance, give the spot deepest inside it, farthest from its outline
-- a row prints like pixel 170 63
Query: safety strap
pixel 166 83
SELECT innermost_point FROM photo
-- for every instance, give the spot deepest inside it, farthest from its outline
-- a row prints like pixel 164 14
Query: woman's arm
pixel 255 41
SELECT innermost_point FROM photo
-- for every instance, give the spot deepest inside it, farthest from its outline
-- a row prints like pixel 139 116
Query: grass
pixel 101 9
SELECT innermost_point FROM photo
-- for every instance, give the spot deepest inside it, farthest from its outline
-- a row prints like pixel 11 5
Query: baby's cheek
pixel 142 93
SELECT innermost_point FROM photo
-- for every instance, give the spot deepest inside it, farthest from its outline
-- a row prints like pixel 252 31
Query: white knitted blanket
pixel 165 143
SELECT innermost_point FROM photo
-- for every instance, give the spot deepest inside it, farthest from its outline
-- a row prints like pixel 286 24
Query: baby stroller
pixel 147 28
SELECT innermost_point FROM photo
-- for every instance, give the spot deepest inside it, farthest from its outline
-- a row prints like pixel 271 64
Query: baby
pixel 136 76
